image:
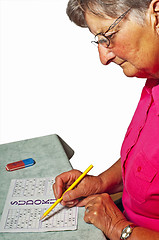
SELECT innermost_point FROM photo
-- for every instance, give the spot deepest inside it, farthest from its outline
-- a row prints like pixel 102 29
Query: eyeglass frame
pixel 115 23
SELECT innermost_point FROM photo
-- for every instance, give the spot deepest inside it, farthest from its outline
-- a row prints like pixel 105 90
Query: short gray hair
pixel 112 8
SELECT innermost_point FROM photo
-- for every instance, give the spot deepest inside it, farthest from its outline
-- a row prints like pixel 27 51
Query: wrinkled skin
pixel 88 186
pixel 104 214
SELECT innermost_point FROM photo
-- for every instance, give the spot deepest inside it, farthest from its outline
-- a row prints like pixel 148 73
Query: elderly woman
pixel 126 33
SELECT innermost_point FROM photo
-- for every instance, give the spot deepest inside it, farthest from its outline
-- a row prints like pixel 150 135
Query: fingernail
pixel 56 193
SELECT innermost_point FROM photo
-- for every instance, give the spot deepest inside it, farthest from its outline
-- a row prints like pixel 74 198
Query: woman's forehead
pixel 96 23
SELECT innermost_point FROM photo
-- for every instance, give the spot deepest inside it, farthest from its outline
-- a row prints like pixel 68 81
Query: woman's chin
pixel 131 71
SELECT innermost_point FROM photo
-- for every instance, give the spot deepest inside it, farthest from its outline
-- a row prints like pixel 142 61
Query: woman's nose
pixel 105 54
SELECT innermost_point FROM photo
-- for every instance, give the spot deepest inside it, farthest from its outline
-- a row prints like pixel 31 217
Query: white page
pixel 26 202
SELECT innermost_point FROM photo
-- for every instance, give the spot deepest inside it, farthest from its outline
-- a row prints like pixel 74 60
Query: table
pixel 52 155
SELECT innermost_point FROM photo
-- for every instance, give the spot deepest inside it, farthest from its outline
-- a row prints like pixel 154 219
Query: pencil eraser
pixel 20 164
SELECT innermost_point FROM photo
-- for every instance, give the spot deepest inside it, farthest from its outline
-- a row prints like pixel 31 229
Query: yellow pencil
pixel 70 188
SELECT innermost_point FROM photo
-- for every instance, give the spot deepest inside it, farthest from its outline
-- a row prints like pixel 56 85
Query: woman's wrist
pixel 111 179
pixel 99 185
pixel 117 231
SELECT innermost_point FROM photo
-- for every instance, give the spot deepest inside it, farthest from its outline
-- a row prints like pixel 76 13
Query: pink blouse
pixel 140 161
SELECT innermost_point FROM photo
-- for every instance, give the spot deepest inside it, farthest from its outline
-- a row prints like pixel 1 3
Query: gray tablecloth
pixel 51 160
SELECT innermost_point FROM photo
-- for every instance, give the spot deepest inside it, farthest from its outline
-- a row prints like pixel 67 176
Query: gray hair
pixel 112 8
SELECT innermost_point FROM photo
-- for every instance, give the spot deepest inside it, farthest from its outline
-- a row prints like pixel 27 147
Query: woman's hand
pixel 88 186
pixel 104 214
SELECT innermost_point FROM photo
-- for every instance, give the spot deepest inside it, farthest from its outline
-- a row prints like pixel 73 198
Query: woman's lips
pixel 122 63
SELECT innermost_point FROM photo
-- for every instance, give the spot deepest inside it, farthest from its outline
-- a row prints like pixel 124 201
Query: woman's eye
pixel 103 40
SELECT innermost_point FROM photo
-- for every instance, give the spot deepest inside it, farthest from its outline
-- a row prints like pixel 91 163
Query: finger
pixel 88 215
pixel 73 194
pixel 58 187
pixel 70 203
pixel 90 207
pixel 63 181
pixel 91 200
pixel 86 200
pixel 54 190
pixel 87 210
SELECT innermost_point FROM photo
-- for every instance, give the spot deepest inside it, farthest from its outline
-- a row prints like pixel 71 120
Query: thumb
pixel 71 195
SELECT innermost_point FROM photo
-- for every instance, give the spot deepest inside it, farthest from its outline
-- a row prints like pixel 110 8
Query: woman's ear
pixel 153 15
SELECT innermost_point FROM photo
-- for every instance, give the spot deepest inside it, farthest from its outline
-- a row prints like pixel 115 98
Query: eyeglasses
pixel 105 42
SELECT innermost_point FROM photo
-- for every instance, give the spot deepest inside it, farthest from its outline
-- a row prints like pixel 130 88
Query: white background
pixel 51 81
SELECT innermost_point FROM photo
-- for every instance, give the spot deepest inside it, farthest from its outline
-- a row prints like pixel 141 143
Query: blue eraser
pixel 28 162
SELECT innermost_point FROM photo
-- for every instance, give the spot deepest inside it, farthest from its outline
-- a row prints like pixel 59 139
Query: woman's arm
pixel 112 179
pixel 104 214
pixel 109 181
pixel 144 234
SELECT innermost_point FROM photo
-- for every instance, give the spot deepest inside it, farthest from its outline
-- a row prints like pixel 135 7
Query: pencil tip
pixel 42 217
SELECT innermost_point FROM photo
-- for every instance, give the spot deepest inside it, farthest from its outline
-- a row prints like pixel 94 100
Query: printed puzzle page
pixel 26 202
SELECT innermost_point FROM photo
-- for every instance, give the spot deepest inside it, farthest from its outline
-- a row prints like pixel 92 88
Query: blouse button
pixel 139 169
